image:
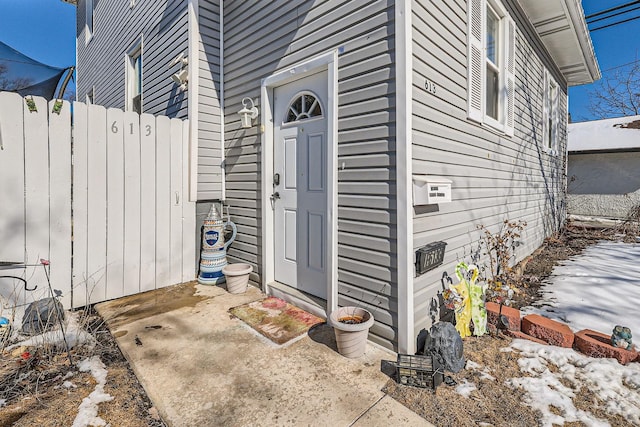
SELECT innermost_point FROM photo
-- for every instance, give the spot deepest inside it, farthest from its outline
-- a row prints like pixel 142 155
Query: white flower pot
pixel 351 338
pixel 237 277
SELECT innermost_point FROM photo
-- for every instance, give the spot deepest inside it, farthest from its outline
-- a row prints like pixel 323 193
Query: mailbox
pixel 429 190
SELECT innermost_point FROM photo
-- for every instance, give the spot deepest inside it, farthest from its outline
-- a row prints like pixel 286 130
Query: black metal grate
pixel 429 257
pixel 419 371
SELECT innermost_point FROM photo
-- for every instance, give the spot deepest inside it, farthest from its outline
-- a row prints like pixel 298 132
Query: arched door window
pixel 302 107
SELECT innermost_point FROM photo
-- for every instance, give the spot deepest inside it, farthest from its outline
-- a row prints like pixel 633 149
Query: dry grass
pixel 493 402
pixel 35 395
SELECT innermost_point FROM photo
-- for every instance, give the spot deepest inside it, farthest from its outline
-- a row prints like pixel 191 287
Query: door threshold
pixel 312 304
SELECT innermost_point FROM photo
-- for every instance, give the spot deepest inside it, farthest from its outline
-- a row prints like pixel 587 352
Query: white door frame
pixel 329 62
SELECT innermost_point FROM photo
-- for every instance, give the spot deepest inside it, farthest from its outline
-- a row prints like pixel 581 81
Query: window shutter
pixel 555 119
pixel 476 66
pixel 545 109
pixel 509 76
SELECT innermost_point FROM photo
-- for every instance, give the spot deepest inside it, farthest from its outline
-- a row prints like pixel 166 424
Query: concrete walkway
pixel 200 367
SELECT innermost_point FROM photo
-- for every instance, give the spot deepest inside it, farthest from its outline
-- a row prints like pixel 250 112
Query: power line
pixel 615 23
pixel 612 15
pixel 622 6
pixel 623 65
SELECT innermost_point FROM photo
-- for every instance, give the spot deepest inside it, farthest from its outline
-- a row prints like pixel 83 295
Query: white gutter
pixel 576 14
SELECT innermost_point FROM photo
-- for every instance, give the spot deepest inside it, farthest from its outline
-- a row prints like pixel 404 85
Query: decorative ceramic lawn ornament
pixel 621 338
pixel 477 295
pixel 463 304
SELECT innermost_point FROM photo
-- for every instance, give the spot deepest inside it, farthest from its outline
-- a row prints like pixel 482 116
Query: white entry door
pixel 300 184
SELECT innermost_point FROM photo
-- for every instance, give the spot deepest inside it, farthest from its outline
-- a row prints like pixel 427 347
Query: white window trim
pixel 136 49
pixel 90 97
pixel 89 16
pixel 477 56
pixel 550 111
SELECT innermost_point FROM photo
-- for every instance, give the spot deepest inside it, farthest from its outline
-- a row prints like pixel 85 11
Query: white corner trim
pixel 406 341
pixel 192 96
pixel 266 114
pixel 329 62
pixel 223 175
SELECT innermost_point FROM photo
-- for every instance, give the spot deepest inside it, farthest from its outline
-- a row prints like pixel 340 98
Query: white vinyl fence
pixel 105 200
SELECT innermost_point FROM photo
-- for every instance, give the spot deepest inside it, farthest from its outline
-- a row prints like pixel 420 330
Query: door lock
pixel 276 179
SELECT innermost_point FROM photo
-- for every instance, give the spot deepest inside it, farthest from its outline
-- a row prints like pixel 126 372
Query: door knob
pixel 275 196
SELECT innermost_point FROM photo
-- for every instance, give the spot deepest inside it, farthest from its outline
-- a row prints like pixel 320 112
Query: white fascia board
pixel 583 37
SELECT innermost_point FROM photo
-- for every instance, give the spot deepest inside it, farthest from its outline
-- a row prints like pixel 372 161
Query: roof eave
pixel 562 28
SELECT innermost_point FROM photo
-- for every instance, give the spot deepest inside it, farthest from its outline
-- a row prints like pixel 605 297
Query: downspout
pixel 192 96
pixel 223 176
pixel 404 226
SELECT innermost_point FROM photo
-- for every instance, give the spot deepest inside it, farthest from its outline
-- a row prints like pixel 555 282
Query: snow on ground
pixel 595 290
pixel 73 332
pixel 557 374
pixel 465 388
pixel 88 409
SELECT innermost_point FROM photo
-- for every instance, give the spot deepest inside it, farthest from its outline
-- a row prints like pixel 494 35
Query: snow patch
pixel 74 334
pixel 617 386
pixel 594 290
pixel 465 388
pixel 88 409
pixel 485 372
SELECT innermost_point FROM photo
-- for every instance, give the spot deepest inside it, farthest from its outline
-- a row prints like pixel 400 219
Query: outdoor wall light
pixel 180 78
pixel 249 112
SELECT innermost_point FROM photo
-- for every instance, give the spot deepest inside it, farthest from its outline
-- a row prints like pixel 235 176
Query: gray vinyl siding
pixel 101 61
pixel 209 114
pixel 495 177
pixel 264 37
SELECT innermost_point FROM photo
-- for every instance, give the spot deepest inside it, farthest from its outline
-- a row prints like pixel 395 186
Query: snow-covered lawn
pixel 596 290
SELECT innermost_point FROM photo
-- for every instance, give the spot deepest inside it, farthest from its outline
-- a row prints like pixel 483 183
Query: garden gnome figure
pixel 621 338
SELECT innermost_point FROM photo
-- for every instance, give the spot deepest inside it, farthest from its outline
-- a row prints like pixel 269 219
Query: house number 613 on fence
pixel 114 128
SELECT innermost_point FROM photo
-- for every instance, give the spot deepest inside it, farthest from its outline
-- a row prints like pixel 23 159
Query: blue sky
pixel 614 46
pixel 45 30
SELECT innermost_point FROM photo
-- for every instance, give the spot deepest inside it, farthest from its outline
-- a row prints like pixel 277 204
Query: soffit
pixel 562 27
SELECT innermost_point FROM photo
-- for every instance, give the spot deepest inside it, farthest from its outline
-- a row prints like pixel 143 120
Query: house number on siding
pixel 430 87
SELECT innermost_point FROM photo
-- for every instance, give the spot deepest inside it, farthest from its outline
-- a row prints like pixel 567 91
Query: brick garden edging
pixel 542 330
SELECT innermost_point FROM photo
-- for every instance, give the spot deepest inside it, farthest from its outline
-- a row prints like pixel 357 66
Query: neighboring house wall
pixel 494 177
pixel 264 37
pixel 117 28
pixel 604 184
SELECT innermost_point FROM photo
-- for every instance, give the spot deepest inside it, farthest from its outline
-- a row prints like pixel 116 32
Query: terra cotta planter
pixel 237 277
pixel 351 338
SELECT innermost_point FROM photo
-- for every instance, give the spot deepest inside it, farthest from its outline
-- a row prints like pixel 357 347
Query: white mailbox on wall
pixel 430 190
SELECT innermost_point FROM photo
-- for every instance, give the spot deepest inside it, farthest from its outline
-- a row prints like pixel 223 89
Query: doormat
pixel 276 319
